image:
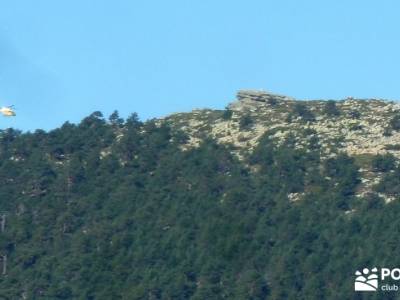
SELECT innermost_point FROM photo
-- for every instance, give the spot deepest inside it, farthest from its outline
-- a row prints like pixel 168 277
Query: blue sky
pixel 62 60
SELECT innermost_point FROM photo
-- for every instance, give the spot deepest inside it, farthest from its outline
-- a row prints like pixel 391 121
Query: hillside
pixel 355 126
pixel 361 128
pixel 271 198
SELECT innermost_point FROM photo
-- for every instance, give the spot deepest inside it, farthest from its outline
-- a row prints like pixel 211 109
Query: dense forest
pixel 118 209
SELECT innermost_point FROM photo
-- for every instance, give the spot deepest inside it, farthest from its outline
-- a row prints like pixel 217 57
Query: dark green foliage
pixel 133 121
pixel 301 110
pixel 355 127
pixel 395 147
pixel 331 109
pixel 116 210
pixel 354 114
pixel 390 183
pixel 227 114
pixel 272 101
pixel 395 123
pixel 344 174
pixel 245 122
pixel 115 119
pixel 387 131
pixel 383 163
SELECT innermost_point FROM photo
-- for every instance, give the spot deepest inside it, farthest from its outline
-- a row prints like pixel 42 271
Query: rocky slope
pixel 362 128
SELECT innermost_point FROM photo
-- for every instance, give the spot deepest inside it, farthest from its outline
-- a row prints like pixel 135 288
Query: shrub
pixel 354 114
pixel 395 147
pixel 302 111
pixel 227 114
pixel 387 131
pixel 390 184
pixel 383 163
pixel 331 109
pixel 395 122
pixel 245 122
pixel 355 127
pixel 272 101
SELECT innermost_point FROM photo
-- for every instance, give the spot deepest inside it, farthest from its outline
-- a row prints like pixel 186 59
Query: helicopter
pixel 8 111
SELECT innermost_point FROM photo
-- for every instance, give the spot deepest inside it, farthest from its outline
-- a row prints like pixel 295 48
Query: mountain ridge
pixel 364 124
pixel 257 201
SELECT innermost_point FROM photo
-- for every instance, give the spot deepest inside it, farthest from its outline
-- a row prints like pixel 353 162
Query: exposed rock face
pixel 261 96
pixel 361 126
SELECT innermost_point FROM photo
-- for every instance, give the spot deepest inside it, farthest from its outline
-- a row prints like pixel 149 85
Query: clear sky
pixel 62 60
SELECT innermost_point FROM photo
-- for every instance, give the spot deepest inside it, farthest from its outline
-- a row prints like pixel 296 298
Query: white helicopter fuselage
pixel 7 112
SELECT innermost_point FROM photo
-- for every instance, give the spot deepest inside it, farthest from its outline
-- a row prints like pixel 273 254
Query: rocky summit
pixel 361 128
